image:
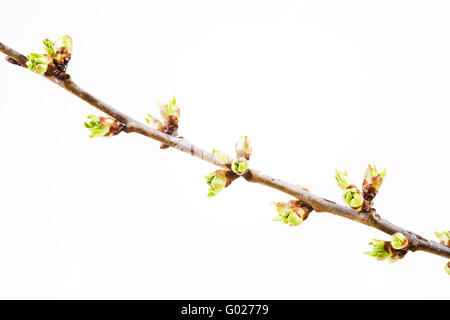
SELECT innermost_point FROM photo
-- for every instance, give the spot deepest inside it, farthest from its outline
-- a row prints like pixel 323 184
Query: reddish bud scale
pixel 395 254
pixel 371 187
pixel 302 209
pixel 56 70
pixel 52 69
pixel 61 59
pixel 115 126
pixel 171 123
pixel 230 175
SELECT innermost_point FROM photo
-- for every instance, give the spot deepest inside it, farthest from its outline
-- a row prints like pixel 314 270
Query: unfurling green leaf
pixel 352 196
pixel 379 251
pixel 294 219
pixel 342 179
pixel 290 217
pixel 382 250
pixel 170 112
pixel 94 125
pixel 38 62
pixel 58 55
pixel 154 123
pixel 50 47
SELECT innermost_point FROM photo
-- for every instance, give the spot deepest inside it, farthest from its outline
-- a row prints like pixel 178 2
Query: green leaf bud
pixel 239 166
pixel 50 47
pixel 65 43
pixel 63 53
pixel 399 241
pixel 290 217
pixel 38 62
pixel 444 237
pixel 103 126
pixel 293 212
pixel 354 199
pixel 217 181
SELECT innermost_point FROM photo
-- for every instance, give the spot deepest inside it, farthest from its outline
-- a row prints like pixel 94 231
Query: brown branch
pixel 13 56
pixel 371 218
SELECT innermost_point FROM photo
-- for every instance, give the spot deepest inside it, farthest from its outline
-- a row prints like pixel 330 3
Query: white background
pixel 317 85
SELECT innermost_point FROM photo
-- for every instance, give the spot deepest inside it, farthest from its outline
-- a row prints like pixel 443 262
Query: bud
pixel 354 199
pixel 60 52
pixel 447 267
pixel 444 237
pixel 379 251
pixel 218 180
pixel 38 62
pixel 103 126
pixel 372 182
pixel 301 208
pixel 222 157
pixel 63 53
pixel 352 196
pixel 154 123
pixel 239 166
pixel 65 43
pixel 243 148
pixel 293 212
pixel 399 241
pixel 382 250
pixel 170 114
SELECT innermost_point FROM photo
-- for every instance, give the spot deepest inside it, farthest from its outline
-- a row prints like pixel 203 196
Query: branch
pixel 368 216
